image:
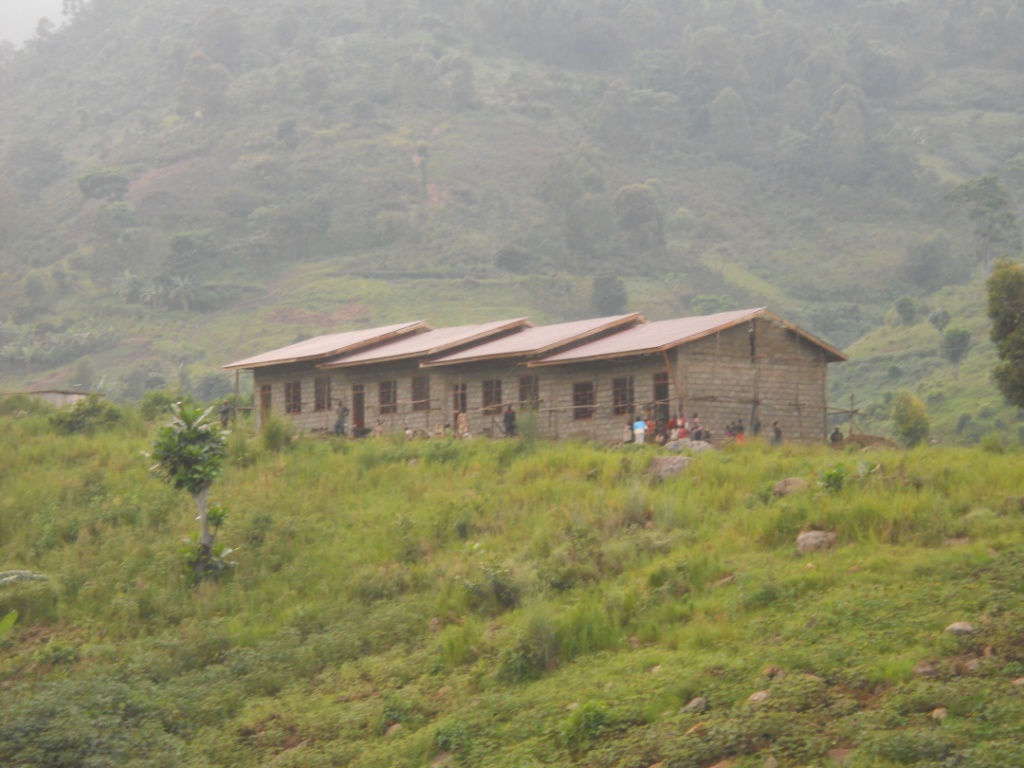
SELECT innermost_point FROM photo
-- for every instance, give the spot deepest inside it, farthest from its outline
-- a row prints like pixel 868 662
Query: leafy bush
pixel 18 405
pixel 87 415
pixel 832 479
pixel 276 435
pixel 909 419
pixel 157 403
pixel 584 726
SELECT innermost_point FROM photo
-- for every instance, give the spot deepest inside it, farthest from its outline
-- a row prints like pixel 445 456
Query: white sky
pixel 18 18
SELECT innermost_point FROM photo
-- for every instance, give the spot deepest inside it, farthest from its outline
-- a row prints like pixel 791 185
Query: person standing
pixel 509 421
pixel 776 433
pixel 639 430
pixel 462 426
pixel 836 437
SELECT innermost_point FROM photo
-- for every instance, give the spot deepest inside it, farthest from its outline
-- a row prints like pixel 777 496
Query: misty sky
pixel 18 18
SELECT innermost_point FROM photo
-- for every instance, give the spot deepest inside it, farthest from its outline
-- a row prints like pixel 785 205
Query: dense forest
pixel 181 183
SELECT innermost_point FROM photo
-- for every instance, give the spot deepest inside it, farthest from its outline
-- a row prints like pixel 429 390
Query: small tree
pixel 956 343
pixel 909 419
pixel 906 309
pixel 939 319
pixel 1006 311
pixel 190 454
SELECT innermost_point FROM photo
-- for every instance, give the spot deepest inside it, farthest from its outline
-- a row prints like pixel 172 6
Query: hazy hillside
pixel 180 182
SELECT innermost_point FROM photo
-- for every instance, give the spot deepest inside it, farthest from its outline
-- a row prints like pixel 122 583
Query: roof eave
pixel 519 322
pixel 413 327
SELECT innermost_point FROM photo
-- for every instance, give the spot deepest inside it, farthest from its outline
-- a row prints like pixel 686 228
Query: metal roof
pixel 666 334
pixel 429 343
pixel 331 344
pixel 538 340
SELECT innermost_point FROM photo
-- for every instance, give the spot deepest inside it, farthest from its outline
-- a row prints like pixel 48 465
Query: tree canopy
pixel 1006 311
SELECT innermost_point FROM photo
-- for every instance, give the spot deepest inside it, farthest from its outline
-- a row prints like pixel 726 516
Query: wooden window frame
pixel 584 400
pixel 293 397
pixel 623 396
pixel 662 405
pixel 322 393
pixel 529 392
pixel 387 397
pixel 266 399
pixel 491 397
pixel 421 393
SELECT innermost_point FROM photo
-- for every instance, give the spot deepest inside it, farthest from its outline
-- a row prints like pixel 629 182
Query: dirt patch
pixel 345 314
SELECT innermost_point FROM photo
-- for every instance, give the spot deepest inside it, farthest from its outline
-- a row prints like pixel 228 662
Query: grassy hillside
pixel 181 185
pixel 510 604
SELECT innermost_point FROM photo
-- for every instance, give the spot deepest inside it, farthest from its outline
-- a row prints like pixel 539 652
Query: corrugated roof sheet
pixel 665 334
pixel 330 344
pixel 535 341
pixel 426 344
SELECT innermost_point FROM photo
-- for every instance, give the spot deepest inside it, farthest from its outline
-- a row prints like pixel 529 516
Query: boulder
pixel 789 485
pixel 757 698
pixel 815 541
pixel 664 467
pixel 961 628
pixel 698 704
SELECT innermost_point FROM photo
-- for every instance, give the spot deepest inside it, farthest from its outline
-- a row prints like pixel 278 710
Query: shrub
pixel 993 443
pixel 909 419
pixel 87 415
pixel 276 435
pixel 156 403
pixel 584 726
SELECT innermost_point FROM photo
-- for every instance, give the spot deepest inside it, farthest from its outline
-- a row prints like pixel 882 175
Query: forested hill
pixel 184 183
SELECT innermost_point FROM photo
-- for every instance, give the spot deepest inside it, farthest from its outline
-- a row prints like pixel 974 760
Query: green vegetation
pixel 190 454
pixel 1006 310
pixel 510 603
pixel 180 187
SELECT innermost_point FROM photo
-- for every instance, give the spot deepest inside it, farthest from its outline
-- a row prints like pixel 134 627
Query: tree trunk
pixel 205 537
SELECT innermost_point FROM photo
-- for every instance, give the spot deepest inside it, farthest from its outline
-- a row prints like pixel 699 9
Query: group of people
pixel 645 429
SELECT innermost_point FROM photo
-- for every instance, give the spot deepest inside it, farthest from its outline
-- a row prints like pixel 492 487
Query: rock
pixel 655 669
pixel 775 673
pixel 757 698
pixel 789 485
pixel 926 669
pixel 771 762
pixel 940 714
pixel 815 541
pixel 435 624
pixel 392 730
pixel 698 704
pixel 696 730
pixel 1018 682
pixel 960 628
pixel 839 755
pixel 442 759
pixel 635 642
pixel 724 764
pixel 664 467
pixel 725 580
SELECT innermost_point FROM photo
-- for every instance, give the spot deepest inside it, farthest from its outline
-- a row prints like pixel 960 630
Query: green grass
pixel 510 603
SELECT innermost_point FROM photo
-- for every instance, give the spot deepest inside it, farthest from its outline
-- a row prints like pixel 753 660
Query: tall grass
pixel 386 580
